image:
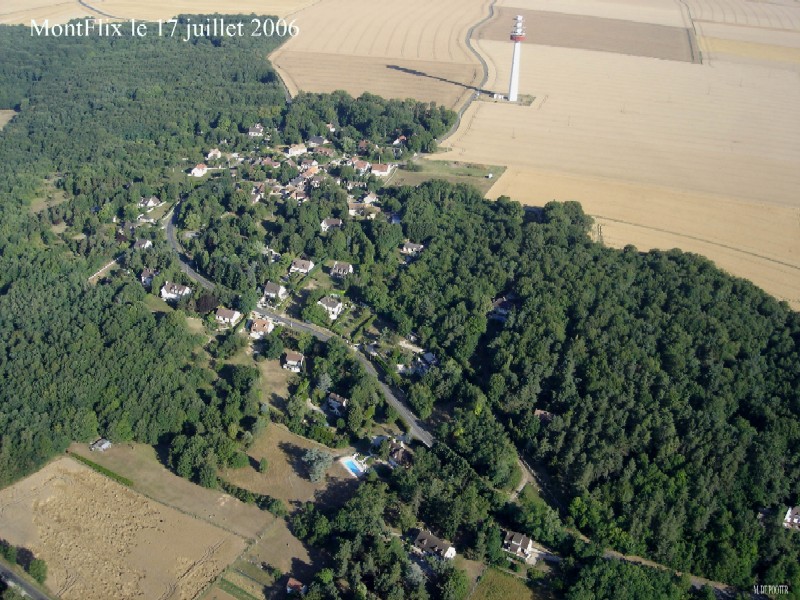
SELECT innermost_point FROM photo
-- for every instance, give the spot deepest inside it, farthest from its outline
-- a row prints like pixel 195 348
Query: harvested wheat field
pixel 666 153
pixel 103 540
pixel 22 11
pixel 357 45
pixel 140 464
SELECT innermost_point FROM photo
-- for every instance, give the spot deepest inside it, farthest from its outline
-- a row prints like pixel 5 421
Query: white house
pixel 301 266
pixel 370 198
pixel 296 150
pixel 336 404
pixel 147 277
pixel 293 361
pixel 199 170
pixel 792 518
pixel 329 223
pixel 333 306
pixel 428 543
pixel 213 154
pixel 150 203
pixel 174 291
pixel 260 328
pixel 142 245
pixel 228 317
pixel 341 269
pixel 380 170
pixel 411 249
pixel 518 544
pixel 331 128
pixel 316 140
pixel 361 166
pixel 274 292
pixel 256 130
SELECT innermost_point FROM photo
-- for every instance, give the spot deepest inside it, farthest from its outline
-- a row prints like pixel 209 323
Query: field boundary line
pixel 699 239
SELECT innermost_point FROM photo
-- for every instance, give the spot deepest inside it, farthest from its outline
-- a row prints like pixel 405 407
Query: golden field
pixel 103 540
pixel 356 45
pixel 664 153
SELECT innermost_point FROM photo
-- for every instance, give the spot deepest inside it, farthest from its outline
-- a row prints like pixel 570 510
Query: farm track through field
pixel 99 12
pixel 703 240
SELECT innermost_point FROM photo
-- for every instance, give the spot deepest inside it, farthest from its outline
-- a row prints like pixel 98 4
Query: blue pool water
pixel 351 466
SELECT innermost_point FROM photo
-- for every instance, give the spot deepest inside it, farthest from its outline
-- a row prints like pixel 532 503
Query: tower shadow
pixel 437 78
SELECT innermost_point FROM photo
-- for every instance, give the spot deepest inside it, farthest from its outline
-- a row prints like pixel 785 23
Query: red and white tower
pixel 517 36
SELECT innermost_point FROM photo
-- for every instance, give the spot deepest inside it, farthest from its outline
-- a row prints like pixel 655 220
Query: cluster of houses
pixel 311 173
pixel 518 545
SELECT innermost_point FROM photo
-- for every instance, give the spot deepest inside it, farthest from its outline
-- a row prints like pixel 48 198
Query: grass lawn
pixel 496 585
pixel 454 172
pixel 157 305
pixel 286 473
pixel 50 195
pixel 274 383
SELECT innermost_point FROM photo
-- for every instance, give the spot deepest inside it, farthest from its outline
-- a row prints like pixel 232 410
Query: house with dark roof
pixel 332 306
pixel 330 224
pixel 301 266
pixel 336 404
pixel 518 544
pixel 226 316
pixel 427 543
pixel 341 269
pixel 147 277
pixel 256 130
pixel 174 291
pixel 293 361
pixel 274 292
pixel 411 249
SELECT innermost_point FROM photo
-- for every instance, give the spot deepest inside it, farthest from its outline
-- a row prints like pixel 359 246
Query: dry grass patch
pixel 496 585
pixel 274 383
pixel 286 474
pixel 594 33
pixel 6 116
pixel 428 81
pixel 103 540
pixel 140 463
pixel 452 171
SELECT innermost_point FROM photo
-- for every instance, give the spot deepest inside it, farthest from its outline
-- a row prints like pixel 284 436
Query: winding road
pixel 416 429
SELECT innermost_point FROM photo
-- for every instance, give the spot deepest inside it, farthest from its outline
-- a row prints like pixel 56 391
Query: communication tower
pixel 517 36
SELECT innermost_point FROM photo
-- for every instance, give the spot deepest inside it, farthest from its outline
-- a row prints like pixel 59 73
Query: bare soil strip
pixel 594 33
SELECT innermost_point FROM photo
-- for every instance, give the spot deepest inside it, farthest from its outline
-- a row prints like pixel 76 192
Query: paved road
pixel 416 428
pixel 22 585
pixel 186 267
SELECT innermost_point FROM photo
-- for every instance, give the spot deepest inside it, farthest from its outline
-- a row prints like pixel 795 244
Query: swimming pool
pixel 352 466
